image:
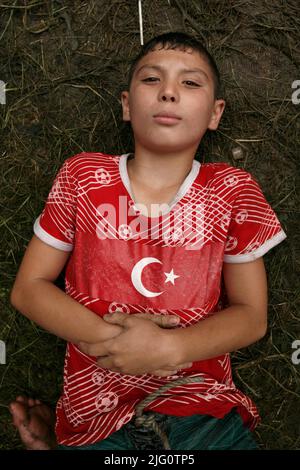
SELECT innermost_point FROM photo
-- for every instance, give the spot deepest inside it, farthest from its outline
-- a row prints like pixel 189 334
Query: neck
pixel 159 171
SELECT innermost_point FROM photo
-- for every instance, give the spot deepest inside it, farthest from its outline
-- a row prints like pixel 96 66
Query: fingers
pixel 97 349
pixel 85 348
pixel 106 363
pixel 117 317
pixel 164 321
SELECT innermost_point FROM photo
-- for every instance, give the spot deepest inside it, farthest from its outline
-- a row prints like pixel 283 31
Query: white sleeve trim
pixel 278 238
pixel 49 239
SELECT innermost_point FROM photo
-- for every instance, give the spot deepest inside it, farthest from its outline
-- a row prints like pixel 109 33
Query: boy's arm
pixel 239 325
pixel 35 295
pixel 140 347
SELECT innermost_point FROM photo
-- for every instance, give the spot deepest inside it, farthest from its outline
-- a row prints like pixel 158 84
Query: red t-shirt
pixel 172 264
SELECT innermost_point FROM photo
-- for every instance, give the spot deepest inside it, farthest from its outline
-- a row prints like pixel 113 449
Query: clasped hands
pixel 143 346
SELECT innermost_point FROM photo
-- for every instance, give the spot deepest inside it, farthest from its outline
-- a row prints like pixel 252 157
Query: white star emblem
pixel 171 277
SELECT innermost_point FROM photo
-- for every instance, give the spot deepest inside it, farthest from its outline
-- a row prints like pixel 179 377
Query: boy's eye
pixel 193 83
pixel 149 78
pixel 155 78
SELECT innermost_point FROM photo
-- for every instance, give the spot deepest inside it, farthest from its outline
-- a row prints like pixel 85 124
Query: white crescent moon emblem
pixel 136 275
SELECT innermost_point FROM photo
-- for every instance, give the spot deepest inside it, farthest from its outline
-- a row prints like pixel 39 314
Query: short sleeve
pixel 254 227
pixel 56 224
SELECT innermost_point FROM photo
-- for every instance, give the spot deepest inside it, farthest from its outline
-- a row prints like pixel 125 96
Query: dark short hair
pixel 178 40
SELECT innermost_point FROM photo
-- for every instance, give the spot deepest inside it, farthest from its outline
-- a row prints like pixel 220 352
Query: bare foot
pixel 35 423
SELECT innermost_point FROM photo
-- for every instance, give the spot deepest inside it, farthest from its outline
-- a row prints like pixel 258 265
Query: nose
pixel 168 92
pixel 165 97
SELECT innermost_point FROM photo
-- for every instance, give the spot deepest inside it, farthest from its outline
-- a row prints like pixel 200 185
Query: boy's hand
pixel 142 347
pixel 164 321
pixel 96 349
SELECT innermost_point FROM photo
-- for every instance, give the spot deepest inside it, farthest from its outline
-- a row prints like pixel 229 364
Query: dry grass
pixel 65 64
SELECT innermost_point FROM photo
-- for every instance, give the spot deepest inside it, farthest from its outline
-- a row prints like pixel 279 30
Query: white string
pixel 141 21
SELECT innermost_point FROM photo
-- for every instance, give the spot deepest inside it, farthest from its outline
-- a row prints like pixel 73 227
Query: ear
pixel 125 105
pixel 219 106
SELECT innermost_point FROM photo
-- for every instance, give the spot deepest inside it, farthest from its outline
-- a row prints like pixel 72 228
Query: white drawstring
pixel 141 21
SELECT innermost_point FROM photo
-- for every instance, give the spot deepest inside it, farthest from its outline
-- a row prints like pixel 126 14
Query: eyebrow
pixel 162 69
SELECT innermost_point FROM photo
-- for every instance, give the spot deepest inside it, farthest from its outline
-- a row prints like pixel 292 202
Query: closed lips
pixel 167 115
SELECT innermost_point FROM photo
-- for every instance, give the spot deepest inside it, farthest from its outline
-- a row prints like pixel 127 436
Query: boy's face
pixel 190 95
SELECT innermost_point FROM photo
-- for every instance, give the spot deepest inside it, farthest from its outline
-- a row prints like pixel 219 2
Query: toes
pixel 31 402
pixel 34 431
pixel 19 413
pixel 21 399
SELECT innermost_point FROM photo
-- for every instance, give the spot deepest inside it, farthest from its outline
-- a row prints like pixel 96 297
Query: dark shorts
pixel 196 432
